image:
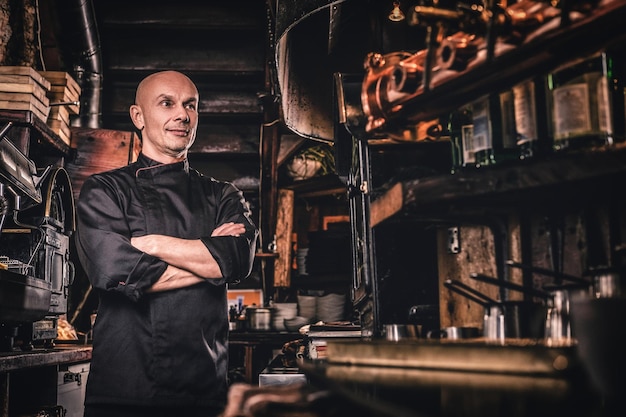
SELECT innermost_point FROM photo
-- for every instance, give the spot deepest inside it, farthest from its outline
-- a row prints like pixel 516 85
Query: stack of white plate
pixel 284 311
pixel 331 307
pixel 294 324
pixel 301 261
pixel 307 306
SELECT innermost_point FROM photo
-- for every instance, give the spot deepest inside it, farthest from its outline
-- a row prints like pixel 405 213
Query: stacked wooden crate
pixel 64 95
pixel 23 88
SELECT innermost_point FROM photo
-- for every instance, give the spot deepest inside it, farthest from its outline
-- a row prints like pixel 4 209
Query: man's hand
pixel 174 278
pixel 229 229
pixel 145 243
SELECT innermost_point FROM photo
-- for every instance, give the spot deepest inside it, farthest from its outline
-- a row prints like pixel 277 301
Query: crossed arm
pixel 189 261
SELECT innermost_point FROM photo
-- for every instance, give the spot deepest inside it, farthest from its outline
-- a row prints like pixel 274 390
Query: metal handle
pixel 511 285
pixel 470 293
pixel 548 272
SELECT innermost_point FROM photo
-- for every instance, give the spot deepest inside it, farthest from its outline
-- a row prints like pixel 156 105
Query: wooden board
pixel 22 70
pixel 60 78
pixel 21 105
pixel 62 130
pixel 284 228
pixel 24 101
pixel 60 125
pixel 25 88
pixel 59 113
pixel 23 79
pixel 63 89
pixel 63 93
pixel 26 98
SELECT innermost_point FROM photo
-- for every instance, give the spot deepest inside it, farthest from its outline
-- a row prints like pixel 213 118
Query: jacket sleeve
pixel 234 254
pixel 103 243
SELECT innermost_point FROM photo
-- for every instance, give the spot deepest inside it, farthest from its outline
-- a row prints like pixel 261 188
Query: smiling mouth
pixel 180 132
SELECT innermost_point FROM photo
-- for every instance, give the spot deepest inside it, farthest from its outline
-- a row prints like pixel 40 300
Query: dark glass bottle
pixel 534 137
pixel 494 139
pixel 461 128
pixel 587 103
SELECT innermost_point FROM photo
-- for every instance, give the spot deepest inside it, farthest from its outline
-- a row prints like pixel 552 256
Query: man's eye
pixel 191 106
pixel 166 103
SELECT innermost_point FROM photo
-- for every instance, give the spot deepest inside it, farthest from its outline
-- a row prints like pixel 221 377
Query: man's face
pixel 166 112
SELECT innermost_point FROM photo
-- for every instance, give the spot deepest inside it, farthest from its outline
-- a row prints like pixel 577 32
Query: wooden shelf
pixel 542 53
pixel 317 186
pixel 570 174
pixel 266 255
pixel 41 131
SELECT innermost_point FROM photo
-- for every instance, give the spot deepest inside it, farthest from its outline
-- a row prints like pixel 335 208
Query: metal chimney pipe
pixel 81 35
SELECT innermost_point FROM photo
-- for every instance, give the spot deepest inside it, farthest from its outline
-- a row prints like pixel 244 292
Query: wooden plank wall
pixel 477 255
pixel 588 235
pixel 98 150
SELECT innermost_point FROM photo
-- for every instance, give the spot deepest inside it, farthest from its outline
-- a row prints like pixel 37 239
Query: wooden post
pixel 284 228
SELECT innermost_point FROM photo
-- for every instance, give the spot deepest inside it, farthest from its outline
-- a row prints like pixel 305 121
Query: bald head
pixel 166 114
pixel 164 77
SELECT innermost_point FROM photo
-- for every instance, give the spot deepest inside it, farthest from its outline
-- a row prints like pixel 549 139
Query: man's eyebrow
pixel 164 96
pixel 171 98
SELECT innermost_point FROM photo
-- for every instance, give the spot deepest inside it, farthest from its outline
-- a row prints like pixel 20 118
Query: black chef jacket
pixel 168 348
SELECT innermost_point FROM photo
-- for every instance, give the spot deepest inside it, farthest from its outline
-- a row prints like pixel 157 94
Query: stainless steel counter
pixel 281 372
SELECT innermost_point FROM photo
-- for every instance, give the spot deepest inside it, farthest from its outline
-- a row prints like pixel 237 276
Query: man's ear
pixel 137 116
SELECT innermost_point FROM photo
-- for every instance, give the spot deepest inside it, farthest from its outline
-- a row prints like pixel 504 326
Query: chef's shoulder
pixel 117 179
pixel 216 186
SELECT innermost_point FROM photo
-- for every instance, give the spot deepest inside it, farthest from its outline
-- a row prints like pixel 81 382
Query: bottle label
pixel 572 115
pixel 507 110
pixel 525 112
pixel 481 138
pixel 604 106
pixel 467 137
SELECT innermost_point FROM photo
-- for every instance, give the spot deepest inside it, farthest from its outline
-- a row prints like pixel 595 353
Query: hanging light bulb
pixel 396 14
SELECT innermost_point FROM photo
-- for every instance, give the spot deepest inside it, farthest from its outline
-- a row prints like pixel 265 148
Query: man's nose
pixel 183 114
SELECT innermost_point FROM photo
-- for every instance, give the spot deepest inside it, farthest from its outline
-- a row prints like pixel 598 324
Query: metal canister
pixel 259 318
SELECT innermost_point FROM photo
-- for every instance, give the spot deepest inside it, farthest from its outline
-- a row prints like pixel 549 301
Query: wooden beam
pixel 284 228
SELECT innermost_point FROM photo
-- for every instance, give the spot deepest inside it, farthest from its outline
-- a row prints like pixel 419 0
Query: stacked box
pixel 23 88
pixel 64 95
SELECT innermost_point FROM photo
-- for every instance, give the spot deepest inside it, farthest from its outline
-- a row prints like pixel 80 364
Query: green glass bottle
pixel 460 128
pixel 494 138
pixel 534 137
pixel 587 103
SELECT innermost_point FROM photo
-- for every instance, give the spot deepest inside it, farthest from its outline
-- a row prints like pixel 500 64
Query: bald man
pixel 159 242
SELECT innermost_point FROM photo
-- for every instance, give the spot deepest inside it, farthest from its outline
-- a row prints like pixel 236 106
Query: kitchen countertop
pixel 61 353
pixel 438 387
pixel 402 392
